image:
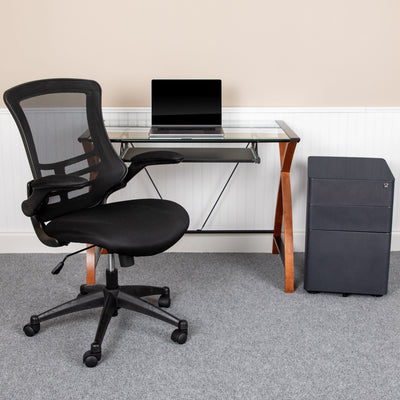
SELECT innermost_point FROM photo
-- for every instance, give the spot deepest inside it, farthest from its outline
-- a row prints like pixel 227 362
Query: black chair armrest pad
pixel 58 182
pixel 40 188
pixel 156 157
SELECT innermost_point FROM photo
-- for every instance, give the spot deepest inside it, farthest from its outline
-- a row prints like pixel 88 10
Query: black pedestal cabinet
pixel 349 222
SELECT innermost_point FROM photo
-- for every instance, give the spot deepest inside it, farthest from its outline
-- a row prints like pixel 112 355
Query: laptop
pixel 186 109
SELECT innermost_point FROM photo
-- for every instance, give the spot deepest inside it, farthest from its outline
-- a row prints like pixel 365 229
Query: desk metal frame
pixel 283 212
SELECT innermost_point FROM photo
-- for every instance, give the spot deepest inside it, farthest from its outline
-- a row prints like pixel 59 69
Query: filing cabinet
pixel 348 227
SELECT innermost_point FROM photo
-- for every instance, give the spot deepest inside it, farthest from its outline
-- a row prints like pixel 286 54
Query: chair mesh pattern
pixel 61 125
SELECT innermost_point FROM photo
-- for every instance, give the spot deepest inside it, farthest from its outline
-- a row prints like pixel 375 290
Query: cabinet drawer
pixel 347 262
pixel 350 218
pixel 342 192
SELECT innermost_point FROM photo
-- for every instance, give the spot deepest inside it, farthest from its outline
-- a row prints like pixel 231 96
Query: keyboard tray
pixel 202 154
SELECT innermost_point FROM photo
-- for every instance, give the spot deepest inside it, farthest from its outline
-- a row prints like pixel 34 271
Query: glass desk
pixel 131 138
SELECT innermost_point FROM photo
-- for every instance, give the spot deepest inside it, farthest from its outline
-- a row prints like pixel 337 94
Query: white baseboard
pixel 27 242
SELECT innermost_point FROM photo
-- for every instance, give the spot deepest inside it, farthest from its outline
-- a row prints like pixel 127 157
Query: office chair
pixel 75 169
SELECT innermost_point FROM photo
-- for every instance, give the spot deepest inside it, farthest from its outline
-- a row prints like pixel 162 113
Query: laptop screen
pixel 186 102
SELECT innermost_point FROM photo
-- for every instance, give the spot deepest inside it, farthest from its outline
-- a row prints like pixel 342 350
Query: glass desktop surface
pixel 235 132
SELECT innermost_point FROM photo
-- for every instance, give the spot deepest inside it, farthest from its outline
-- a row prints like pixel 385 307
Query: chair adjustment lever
pixel 57 269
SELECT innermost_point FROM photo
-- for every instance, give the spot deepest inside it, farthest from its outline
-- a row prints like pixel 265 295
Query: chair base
pixel 113 297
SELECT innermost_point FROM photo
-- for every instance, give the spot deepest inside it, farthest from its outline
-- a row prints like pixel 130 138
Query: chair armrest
pixel 40 188
pixel 58 182
pixel 156 157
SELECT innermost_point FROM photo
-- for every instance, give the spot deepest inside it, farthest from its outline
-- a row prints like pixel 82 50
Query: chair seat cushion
pixel 135 228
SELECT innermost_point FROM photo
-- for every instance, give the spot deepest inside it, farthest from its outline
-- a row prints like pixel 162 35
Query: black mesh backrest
pixel 61 124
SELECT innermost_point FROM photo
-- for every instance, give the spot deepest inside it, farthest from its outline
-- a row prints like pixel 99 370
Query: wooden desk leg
pixel 91 266
pixel 283 214
pixel 92 256
pixel 278 219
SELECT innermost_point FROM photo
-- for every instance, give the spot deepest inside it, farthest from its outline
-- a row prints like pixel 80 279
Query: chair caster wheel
pixel 33 327
pixel 180 335
pixel 92 356
pixel 90 359
pixel 82 291
pixel 30 330
pixel 165 299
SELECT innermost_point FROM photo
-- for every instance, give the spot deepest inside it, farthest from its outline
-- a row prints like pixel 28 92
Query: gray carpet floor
pixel 248 339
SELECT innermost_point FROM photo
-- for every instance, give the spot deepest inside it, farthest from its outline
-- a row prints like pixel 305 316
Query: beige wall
pixel 267 52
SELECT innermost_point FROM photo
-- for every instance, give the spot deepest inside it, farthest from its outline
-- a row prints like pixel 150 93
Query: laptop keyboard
pixel 186 132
